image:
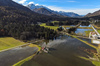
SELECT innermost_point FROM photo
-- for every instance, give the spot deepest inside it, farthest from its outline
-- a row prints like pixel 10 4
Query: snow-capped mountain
pixel 37 9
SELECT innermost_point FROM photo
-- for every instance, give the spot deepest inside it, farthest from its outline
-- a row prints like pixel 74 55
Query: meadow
pixel 9 42
pixel 51 27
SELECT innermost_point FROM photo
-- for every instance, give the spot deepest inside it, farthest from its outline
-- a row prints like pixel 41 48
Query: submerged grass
pixel 28 58
pixel 96 63
pixel 9 42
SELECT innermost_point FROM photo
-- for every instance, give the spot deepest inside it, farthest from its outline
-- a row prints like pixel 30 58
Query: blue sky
pixel 81 7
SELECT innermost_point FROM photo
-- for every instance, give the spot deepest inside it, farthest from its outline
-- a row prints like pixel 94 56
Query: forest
pixel 26 31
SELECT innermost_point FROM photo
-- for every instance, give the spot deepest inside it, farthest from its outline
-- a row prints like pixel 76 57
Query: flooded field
pixel 63 51
pixel 82 30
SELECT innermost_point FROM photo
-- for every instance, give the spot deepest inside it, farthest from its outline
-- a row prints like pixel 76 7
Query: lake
pixel 79 30
pixel 81 26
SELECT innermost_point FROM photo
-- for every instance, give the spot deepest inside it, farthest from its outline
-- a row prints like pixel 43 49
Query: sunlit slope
pixel 8 42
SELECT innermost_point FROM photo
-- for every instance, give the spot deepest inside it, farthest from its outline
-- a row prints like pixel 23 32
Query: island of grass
pixel 9 42
pixel 51 27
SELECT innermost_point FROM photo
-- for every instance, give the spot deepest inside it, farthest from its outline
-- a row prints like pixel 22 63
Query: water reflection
pixel 64 51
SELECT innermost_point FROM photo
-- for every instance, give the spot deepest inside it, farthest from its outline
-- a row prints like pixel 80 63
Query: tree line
pixel 68 22
pixel 26 31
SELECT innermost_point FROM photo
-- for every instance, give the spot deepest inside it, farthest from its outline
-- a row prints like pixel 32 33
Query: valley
pixel 49 35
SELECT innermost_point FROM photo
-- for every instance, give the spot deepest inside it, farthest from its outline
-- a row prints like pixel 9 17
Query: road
pixel 12 56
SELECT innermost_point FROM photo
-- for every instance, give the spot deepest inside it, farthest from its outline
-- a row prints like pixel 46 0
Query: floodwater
pixel 82 31
pixel 79 30
pixel 12 56
pixel 85 26
pixel 63 51
pixel 81 26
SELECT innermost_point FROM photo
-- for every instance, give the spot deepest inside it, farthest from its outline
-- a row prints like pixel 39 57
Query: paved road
pixel 12 56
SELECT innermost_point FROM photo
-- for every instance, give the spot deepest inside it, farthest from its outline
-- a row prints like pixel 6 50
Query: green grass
pixel 51 27
pixel 9 42
pixel 96 27
pixel 87 32
pixel 84 41
pixel 96 63
pixel 24 60
pixel 54 21
pixel 78 27
pixel 99 31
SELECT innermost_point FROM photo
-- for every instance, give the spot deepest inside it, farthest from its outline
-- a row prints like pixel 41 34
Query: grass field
pixel 9 42
pixel 96 27
pixel 51 27
pixel 87 32
pixel 78 27
pixel 54 21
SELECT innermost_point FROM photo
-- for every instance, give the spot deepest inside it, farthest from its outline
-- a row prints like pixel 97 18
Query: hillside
pixel 10 42
pixel 11 3
pixel 14 15
pixel 44 10
pixel 96 13
pixel 13 12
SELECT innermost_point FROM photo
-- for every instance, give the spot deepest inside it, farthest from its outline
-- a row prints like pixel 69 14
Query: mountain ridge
pixel 96 13
pixel 61 13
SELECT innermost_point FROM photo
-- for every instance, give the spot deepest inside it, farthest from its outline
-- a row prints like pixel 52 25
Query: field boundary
pixel 14 47
pixel 28 58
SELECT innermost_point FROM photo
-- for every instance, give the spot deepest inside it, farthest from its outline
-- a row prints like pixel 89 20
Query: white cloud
pixel 36 4
pixel 31 3
pixel 78 11
pixel 20 1
pixel 83 11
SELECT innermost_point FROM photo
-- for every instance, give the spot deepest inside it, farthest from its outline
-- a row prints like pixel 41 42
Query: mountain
pixel 46 12
pixel 96 13
pixel 11 3
pixel 43 11
pixel 60 13
pixel 12 12
pixel 69 14
pixel 32 6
